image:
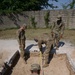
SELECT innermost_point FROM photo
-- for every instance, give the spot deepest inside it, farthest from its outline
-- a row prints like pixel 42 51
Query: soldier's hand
pixel 61 36
pixel 52 34
pixel 51 31
pixel 19 46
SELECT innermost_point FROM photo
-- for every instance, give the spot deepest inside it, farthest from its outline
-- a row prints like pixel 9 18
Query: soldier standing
pixel 48 41
pixel 57 30
pixel 22 39
pixel 35 69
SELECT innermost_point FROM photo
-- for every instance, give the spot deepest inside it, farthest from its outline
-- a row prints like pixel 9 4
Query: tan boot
pixel 45 65
pixel 25 61
pixel 56 48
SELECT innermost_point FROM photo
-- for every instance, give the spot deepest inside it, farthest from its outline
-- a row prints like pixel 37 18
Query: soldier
pixel 48 41
pixel 35 69
pixel 57 30
pixel 22 39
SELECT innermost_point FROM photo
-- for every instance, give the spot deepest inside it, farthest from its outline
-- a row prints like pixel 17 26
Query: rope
pixel 41 63
pixel 40 59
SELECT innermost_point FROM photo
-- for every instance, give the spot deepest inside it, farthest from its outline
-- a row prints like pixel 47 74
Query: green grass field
pixel 31 33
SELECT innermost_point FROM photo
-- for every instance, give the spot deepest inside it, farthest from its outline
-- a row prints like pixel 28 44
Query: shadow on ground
pixel 53 51
pixel 27 52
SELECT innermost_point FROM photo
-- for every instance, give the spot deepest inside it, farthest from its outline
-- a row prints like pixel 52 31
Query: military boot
pixel 57 48
pixel 45 65
pixel 22 54
pixel 45 61
pixel 25 61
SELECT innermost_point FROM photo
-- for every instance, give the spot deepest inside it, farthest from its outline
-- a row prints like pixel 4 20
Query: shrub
pixel 46 18
pixel 33 22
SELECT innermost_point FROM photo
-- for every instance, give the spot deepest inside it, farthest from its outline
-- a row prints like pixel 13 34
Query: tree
pixel 70 5
pixel 33 22
pixel 46 18
pixel 24 5
pixel 64 6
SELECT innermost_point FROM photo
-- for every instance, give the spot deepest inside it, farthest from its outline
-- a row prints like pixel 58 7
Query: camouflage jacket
pixel 21 34
pixel 35 74
pixel 58 28
pixel 43 39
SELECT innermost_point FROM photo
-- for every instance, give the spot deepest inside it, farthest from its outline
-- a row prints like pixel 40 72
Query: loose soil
pixel 57 66
pixel 3 56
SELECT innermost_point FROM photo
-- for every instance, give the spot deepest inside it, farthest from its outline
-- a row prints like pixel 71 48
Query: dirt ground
pixel 57 66
pixel 3 56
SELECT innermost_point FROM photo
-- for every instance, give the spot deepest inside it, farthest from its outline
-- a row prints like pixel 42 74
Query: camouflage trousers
pixel 47 51
pixel 22 47
pixel 35 74
pixel 56 37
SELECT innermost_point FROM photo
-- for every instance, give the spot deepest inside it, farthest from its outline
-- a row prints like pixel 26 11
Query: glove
pixel 52 34
pixel 61 36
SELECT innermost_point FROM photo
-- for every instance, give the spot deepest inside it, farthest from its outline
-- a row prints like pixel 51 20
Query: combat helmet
pixel 59 17
pixel 35 67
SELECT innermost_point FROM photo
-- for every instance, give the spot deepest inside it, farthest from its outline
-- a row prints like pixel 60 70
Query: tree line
pixel 8 6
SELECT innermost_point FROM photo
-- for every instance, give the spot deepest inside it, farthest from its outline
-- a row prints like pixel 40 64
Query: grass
pixel 31 33
pixel 70 35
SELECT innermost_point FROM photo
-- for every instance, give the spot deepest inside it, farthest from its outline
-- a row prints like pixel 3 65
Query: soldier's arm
pixel 17 33
pixel 40 45
pixel 52 26
pixel 62 30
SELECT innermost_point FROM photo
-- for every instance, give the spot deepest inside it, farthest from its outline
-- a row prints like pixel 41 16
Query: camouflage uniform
pixel 48 41
pixel 21 41
pixel 57 30
pixel 35 69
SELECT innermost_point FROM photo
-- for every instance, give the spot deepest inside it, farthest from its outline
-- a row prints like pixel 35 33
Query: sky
pixel 59 3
